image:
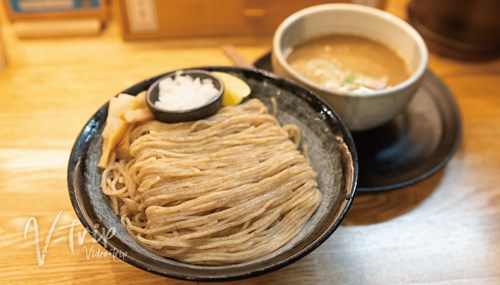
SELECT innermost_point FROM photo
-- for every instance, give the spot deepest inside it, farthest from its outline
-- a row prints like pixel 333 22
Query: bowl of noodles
pixel 246 191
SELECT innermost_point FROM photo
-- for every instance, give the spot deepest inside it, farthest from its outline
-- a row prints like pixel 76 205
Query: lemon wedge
pixel 235 88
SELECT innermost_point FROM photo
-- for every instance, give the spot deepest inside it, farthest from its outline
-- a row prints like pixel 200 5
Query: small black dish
pixel 411 147
pixel 331 154
pixel 168 116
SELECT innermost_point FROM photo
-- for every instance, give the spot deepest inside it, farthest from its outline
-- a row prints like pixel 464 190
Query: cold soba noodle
pixel 227 189
pixel 348 63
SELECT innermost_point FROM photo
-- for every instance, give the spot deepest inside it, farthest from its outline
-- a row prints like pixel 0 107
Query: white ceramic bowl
pixel 359 111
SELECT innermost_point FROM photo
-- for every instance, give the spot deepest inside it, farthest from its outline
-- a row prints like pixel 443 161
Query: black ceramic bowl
pixel 194 114
pixel 330 151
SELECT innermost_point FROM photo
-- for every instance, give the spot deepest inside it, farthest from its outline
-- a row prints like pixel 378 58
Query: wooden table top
pixel 444 230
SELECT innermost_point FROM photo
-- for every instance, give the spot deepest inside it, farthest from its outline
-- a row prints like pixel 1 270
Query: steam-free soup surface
pixel 348 63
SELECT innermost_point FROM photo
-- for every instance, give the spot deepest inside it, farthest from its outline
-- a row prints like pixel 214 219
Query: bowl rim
pixel 416 75
pixel 79 152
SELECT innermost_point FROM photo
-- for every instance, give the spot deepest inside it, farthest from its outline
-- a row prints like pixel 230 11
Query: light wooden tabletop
pixel 444 230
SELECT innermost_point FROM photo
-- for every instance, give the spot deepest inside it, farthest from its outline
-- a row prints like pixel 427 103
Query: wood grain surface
pixel 444 230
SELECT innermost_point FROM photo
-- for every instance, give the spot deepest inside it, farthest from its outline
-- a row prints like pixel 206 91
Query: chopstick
pixel 235 56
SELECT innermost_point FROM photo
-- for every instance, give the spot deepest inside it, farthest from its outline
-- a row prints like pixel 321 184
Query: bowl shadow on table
pixel 304 271
pixel 124 273
pixel 378 207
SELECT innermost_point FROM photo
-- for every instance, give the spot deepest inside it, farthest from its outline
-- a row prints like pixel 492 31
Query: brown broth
pixel 348 63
